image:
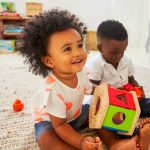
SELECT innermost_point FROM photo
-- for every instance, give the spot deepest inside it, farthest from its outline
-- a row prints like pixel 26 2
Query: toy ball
pixel 18 105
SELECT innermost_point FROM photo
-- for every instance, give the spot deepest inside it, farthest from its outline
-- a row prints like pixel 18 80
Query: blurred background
pixel 134 14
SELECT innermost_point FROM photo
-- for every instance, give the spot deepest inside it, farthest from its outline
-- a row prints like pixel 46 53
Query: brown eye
pixel 67 49
pixel 80 45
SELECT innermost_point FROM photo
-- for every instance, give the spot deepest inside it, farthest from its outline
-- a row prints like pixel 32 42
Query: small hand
pixel 97 140
pixel 89 143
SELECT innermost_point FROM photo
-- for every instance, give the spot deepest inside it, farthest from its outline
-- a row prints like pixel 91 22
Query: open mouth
pixel 77 61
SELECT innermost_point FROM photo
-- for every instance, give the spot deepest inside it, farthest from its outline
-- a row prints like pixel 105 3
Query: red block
pixel 121 98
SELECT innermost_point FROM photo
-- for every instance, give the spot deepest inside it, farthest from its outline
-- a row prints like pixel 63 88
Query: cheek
pixel 118 57
pixel 65 60
pixel 107 56
pixel 85 54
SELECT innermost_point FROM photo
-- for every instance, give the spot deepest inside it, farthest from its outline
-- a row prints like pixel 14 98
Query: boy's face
pixel 112 50
pixel 66 52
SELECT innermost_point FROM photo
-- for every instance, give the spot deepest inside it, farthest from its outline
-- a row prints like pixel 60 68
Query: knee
pixel 44 141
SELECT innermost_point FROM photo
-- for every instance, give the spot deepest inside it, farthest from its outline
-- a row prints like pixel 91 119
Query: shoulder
pixel 96 62
pixel 95 58
pixel 52 84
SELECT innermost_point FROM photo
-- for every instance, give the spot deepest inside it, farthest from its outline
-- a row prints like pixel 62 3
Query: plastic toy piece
pixel 18 105
pixel 128 87
pixel 140 93
pixel 139 90
pixel 107 102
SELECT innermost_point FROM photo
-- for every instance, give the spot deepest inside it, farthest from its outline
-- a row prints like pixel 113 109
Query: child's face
pixel 112 50
pixel 66 52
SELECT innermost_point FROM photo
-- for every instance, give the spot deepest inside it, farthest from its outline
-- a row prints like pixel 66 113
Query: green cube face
pixel 126 123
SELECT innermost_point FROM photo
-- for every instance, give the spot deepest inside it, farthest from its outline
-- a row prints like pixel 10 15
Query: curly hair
pixel 112 29
pixel 38 31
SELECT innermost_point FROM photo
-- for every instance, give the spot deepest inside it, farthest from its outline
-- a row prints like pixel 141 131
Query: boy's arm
pixel 95 83
pixel 133 81
pixel 66 132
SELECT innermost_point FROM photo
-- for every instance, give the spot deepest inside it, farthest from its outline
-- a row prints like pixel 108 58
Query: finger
pixel 90 139
pixel 100 147
pixel 97 139
pixel 93 145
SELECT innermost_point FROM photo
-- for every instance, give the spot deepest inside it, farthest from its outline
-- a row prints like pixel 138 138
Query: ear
pixel 99 47
pixel 47 61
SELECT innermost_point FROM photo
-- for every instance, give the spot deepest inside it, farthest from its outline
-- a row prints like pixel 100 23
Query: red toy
pixel 128 87
pixel 139 90
pixel 18 105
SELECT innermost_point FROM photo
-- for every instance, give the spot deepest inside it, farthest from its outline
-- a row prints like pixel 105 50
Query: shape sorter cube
pixel 114 109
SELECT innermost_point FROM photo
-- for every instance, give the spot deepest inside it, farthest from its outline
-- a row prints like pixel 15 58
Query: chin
pixel 115 62
pixel 78 70
pixel 79 67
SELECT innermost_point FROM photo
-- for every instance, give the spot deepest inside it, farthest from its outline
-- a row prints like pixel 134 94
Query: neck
pixel 68 79
pixel 115 65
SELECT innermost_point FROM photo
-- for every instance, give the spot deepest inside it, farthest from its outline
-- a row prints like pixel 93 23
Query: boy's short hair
pixel 111 29
pixel 38 31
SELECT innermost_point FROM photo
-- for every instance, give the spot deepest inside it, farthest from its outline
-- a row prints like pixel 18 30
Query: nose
pixel 77 52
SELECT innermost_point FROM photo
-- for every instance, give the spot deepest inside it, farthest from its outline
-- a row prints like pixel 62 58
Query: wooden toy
pixel 18 105
pixel 114 109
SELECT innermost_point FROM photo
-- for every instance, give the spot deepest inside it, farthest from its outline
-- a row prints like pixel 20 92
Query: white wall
pixel 134 14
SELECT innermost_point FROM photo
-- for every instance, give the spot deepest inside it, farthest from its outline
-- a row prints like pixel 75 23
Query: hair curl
pixel 38 31
pixel 111 29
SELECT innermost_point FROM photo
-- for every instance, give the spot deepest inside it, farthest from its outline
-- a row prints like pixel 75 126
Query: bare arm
pixel 133 81
pixel 66 132
pixel 70 136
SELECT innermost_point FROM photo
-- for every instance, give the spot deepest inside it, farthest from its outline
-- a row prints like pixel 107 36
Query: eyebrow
pixel 68 44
